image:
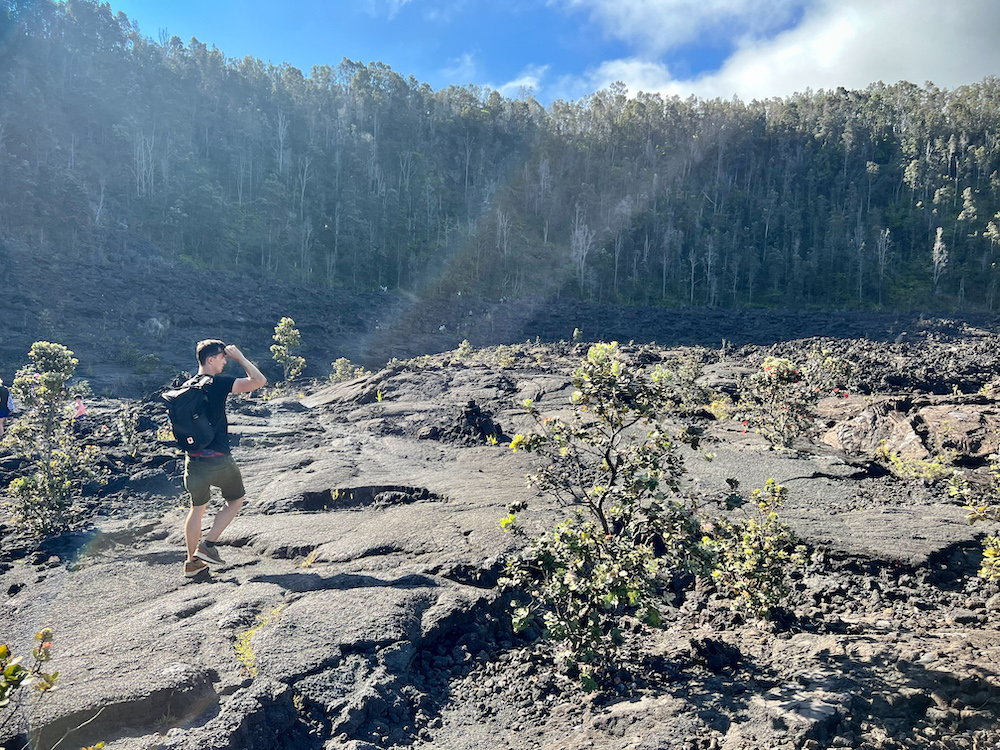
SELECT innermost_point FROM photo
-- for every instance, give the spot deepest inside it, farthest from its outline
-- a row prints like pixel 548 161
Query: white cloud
pixel 857 42
pixel 655 26
pixel 443 12
pixel 638 75
pixel 461 70
pixel 386 8
pixel 529 79
pixel 848 43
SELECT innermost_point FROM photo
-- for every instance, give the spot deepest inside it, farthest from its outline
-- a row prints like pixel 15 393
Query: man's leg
pixel 3 420
pixel 192 529
pixel 230 481
pixel 222 519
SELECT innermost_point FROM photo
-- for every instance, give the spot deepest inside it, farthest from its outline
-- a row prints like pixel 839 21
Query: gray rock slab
pixel 904 522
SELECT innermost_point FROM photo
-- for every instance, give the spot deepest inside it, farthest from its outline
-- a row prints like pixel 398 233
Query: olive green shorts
pixel 201 474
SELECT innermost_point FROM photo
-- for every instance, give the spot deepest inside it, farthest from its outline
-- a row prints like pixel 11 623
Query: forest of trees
pixel 357 176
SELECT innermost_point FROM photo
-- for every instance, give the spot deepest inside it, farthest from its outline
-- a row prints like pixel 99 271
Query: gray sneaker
pixel 208 552
pixel 194 567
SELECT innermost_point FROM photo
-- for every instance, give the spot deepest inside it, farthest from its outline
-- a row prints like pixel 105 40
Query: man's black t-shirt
pixel 220 387
pixel 4 398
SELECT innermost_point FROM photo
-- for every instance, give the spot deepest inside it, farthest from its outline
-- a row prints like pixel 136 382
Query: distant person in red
pixel 6 406
pixel 78 408
pixel 213 466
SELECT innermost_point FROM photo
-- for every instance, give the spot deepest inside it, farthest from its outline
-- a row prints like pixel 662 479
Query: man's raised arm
pixel 254 380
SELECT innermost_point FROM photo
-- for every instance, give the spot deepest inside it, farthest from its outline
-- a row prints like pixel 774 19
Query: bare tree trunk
pixel 142 164
pixel 581 242
pixel 304 163
pixel 619 246
pixel 99 208
pixel 281 134
pixel 503 233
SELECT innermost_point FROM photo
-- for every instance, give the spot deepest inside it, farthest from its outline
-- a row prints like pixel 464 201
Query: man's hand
pixel 232 352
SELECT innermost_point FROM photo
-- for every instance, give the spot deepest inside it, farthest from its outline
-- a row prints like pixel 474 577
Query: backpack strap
pixel 198 381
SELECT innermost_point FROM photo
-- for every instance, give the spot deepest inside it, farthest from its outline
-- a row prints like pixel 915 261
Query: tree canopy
pixel 356 175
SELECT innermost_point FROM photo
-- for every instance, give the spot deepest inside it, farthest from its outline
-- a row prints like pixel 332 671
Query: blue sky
pixel 570 48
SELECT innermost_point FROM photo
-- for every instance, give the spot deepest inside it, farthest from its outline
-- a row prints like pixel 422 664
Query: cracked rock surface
pixel 358 604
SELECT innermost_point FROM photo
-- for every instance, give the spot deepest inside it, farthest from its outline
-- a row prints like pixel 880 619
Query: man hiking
pixel 213 465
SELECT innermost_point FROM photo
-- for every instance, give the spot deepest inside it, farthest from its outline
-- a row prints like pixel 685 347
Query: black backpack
pixel 187 407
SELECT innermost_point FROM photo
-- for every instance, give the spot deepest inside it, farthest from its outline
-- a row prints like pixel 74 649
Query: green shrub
pixel 629 528
pixel 681 375
pixel 46 325
pixel 127 424
pixel 464 352
pixel 128 353
pixel 629 524
pixel 985 512
pixel 147 364
pixel 287 338
pixel 42 500
pixel 753 554
pixel 929 470
pixel 15 677
pixel 828 373
pixel 503 357
pixel 990 566
pixel 343 370
pixel 582 580
pixel 722 407
pixel 81 388
pixel 777 401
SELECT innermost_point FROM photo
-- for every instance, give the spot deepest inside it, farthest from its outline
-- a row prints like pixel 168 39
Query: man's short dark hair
pixel 209 348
